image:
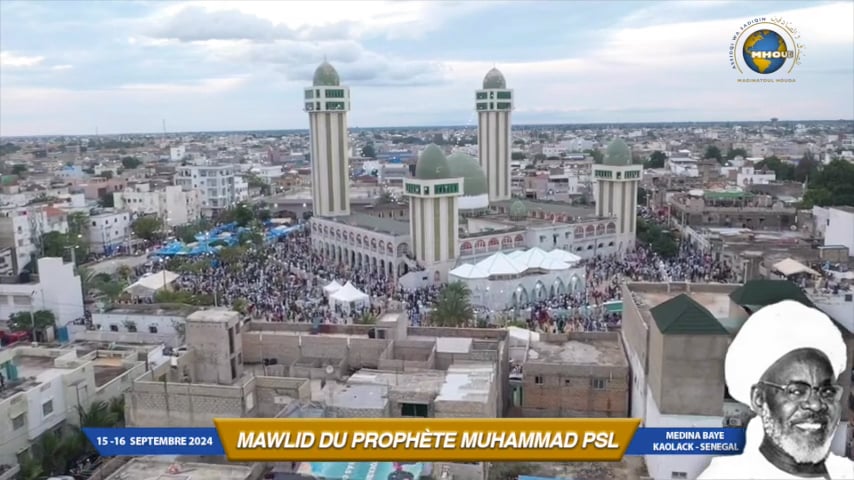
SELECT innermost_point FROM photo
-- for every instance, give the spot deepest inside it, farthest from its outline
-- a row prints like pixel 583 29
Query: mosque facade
pixel 460 209
pixel 327 103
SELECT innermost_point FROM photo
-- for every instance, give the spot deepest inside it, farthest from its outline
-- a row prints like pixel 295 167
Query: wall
pixel 275 393
pixel 287 348
pixel 567 390
pixel 120 318
pixel 840 228
pixel 61 291
pixel 80 333
pixel 171 404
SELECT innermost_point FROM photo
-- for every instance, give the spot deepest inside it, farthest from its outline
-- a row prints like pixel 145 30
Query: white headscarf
pixel 773 332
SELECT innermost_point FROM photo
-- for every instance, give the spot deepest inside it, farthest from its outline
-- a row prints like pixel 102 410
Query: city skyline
pixel 72 67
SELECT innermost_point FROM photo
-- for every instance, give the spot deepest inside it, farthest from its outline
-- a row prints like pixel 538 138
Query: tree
pixel 148 227
pixel 736 152
pixel 55 244
pixel 712 151
pixel 517 156
pixel 369 151
pixel 598 157
pixel 242 215
pixel 23 321
pixel 831 185
pixel 659 240
pixel 108 174
pixel 806 168
pixel 655 160
pixel 19 169
pixel 77 223
pixel 124 272
pixel 231 255
pixel 453 307
pixel 130 162
pixel 783 170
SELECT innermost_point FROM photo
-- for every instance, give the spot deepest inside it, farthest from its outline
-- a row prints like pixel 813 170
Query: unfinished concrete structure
pixel 573 375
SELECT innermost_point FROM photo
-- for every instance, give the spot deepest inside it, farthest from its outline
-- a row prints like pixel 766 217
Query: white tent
pixel 500 264
pixel 468 271
pixel 349 296
pixel 793 267
pixel 564 256
pixel 332 287
pixel 148 285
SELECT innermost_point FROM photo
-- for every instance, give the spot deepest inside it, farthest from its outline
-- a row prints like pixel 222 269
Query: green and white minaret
pixel 494 104
pixel 617 181
pixel 327 104
pixel 434 220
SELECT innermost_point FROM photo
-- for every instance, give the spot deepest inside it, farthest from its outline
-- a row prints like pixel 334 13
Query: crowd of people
pixel 283 281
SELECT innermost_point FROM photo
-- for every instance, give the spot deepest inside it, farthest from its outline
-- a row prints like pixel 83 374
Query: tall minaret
pixel 327 104
pixel 494 104
pixel 434 219
pixel 617 181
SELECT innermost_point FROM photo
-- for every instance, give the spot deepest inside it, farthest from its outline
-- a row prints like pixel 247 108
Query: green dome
pixel 494 79
pixel 432 164
pixel 326 76
pixel 466 166
pixel 518 210
pixel 618 153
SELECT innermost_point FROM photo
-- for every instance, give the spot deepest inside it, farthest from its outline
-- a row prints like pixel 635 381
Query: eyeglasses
pixel 801 391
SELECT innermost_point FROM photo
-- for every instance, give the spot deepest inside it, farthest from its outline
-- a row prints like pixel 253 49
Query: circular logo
pixel 765 51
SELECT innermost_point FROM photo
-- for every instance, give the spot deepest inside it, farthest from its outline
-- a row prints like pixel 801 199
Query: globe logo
pixel 765 51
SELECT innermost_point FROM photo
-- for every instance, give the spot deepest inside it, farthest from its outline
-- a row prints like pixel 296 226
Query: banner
pixel 418 440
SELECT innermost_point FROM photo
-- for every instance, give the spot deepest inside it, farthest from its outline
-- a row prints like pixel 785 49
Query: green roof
pixel 761 293
pixel 466 166
pixel 618 153
pixel 494 79
pixel 682 315
pixel 432 164
pixel 326 76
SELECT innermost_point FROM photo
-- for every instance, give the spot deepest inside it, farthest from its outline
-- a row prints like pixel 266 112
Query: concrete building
pixel 22 228
pixel 176 154
pixel 327 103
pixel 379 244
pixel 434 213
pixel 572 375
pixel 56 288
pixel 44 387
pixel 217 185
pixel 617 191
pixel 148 468
pixel 214 336
pixel 676 337
pixel 109 231
pixel 493 105
pixel 174 205
pixel 147 323
pixel 840 227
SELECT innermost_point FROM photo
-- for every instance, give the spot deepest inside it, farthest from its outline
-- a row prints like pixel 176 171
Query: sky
pixel 114 67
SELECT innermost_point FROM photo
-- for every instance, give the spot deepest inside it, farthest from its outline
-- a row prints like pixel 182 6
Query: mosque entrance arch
pixel 540 291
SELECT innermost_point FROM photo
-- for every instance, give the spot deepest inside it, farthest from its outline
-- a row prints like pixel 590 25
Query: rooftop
pixel 424 381
pixel 106 369
pixel 149 468
pixel 359 396
pixel 717 303
pixel 560 208
pixel 38 367
pixel 470 382
pixel 380 225
pixel 579 352
pixel 214 315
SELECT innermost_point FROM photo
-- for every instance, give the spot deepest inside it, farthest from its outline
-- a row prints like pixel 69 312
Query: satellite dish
pixel 330 369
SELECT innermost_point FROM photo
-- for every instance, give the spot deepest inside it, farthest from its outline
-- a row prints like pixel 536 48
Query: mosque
pixel 463 223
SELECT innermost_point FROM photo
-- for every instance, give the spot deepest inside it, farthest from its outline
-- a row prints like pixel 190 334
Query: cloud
pixel 202 87
pixel 62 67
pixel 9 59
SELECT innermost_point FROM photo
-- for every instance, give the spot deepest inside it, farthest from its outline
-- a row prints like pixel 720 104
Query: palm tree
pixel 23 321
pixel 124 273
pixel 112 290
pixel 56 451
pixel 31 469
pixel 453 307
pixel 87 280
pixel 97 415
pixel 117 408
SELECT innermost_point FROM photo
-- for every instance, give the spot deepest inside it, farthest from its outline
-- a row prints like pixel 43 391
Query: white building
pixel 504 281
pixel 327 103
pixel 494 103
pixel 617 192
pixel 216 184
pixel 56 288
pixel 44 387
pixel 173 204
pixel 750 176
pixel 176 154
pixel 267 173
pixel 22 228
pixel 840 227
pixel 107 231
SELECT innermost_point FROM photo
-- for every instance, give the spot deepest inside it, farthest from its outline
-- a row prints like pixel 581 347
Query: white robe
pixel 752 465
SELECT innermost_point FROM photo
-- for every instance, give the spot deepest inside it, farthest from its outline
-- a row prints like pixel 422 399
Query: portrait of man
pixel 785 363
